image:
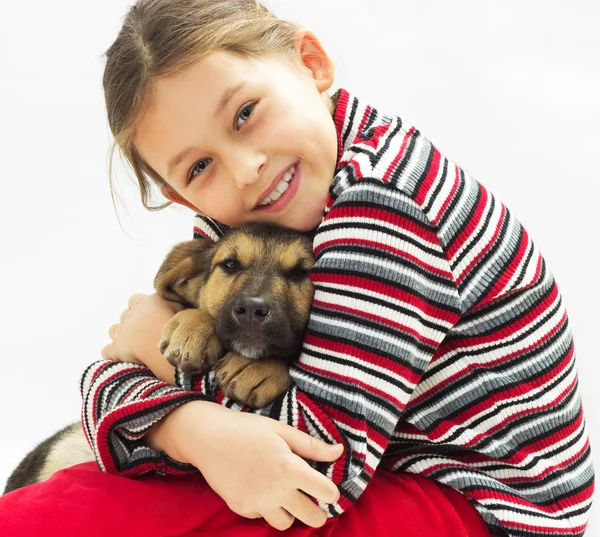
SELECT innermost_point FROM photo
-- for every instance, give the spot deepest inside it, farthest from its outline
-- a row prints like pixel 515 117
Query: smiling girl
pixel 438 347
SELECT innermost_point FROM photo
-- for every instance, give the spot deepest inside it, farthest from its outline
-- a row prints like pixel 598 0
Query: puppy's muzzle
pixel 250 312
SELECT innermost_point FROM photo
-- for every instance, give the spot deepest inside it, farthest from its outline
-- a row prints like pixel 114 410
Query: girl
pixel 438 345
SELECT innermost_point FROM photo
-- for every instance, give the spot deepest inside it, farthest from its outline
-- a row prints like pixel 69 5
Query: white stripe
pixel 349 231
pixel 326 293
pixel 400 270
pixel 406 348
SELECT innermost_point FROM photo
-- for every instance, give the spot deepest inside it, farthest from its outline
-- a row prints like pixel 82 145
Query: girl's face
pixel 225 131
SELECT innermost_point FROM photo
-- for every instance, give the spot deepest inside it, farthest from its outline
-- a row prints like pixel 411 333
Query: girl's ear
pixel 175 197
pixel 315 59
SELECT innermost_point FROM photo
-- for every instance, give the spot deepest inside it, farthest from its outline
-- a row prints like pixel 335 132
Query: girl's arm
pixel 234 451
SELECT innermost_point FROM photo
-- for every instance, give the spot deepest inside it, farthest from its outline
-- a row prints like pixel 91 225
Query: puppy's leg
pixel 65 448
pixel 189 341
pixel 254 383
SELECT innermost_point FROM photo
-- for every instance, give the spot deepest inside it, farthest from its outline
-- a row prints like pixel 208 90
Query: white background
pixel 509 90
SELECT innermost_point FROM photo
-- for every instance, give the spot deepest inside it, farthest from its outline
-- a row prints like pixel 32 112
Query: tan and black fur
pixel 248 298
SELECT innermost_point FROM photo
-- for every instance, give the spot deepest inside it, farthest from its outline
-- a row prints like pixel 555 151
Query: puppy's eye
pixel 298 274
pixel 230 265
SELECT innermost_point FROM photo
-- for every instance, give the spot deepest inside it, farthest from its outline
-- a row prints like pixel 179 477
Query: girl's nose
pixel 244 181
pixel 248 170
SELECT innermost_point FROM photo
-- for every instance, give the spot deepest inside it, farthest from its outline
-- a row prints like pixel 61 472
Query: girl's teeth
pixel 280 188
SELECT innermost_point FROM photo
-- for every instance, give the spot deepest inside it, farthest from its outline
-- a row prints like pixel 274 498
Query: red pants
pixel 84 501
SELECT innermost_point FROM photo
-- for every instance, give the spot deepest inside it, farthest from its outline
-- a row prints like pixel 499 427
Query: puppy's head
pixel 253 282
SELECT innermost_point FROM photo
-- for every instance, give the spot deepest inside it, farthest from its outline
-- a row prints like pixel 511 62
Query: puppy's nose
pixel 249 311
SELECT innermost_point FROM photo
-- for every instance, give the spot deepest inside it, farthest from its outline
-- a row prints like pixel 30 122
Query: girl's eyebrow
pixel 227 96
pixel 176 160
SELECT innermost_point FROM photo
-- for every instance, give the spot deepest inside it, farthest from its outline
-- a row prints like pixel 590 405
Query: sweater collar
pixel 352 118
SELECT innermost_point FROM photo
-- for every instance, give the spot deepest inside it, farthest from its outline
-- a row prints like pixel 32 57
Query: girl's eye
pixel 201 165
pixel 198 168
pixel 245 114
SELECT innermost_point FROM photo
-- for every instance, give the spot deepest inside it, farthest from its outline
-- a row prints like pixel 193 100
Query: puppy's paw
pixel 189 342
pixel 250 382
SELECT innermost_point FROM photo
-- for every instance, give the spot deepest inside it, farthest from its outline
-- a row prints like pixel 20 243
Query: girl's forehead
pixel 211 82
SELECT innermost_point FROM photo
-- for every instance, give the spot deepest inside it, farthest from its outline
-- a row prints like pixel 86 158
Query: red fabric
pixel 84 501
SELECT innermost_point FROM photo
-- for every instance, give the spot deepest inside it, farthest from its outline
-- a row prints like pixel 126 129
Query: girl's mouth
pixel 284 191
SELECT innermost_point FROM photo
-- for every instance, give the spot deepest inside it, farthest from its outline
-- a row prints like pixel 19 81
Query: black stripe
pixel 357 365
pixel 392 283
pixel 400 309
pixel 451 207
pixel 334 225
pixel 474 240
pixel 441 182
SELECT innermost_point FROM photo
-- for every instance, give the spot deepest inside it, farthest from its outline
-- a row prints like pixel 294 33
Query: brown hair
pixel 159 37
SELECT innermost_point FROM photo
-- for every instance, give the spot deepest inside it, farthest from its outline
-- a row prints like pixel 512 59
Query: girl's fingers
pixel 124 315
pixel 309 447
pixel 318 486
pixel 305 510
pixel 135 299
pixel 108 353
pixel 279 518
pixel 113 331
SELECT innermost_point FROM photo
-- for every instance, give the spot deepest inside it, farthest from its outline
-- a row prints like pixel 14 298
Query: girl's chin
pixel 308 218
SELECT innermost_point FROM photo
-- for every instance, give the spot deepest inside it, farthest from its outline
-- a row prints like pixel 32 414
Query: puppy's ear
pixel 184 271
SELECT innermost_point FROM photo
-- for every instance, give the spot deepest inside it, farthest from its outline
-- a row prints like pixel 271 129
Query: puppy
pixel 248 297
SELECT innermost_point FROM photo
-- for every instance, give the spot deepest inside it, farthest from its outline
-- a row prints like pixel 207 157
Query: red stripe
pixel 106 381
pixel 390 291
pixel 503 396
pixel 354 422
pixel 386 248
pixel 382 215
pixel 387 364
pixel 564 464
pixel 329 425
pixel 519 456
pixel 339 118
pixel 364 119
pixel 448 199
pixel 378 132
pixel 111 417
pixel 202 232
pixel 399 155
pixel 509 271
pixel 485 494
pixel 356 382
pixel 486 248
pixel 444 349
pixel 515 326
pixel 473 225
pixel 429 179
pixel 382 320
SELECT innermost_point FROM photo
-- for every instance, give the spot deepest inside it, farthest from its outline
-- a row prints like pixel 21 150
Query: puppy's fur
pixel 248 297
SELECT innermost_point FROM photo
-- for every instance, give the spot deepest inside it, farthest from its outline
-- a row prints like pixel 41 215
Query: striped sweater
pixel 438 344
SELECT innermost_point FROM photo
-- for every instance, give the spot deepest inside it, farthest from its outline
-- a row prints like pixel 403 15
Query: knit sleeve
pixel 121 402
pixel 384 300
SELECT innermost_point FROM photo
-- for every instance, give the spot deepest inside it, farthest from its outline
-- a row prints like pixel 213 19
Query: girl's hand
pixel 253 462
pixel 135 338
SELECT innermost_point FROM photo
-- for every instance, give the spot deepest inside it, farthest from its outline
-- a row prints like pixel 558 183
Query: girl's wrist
pixel 173 434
